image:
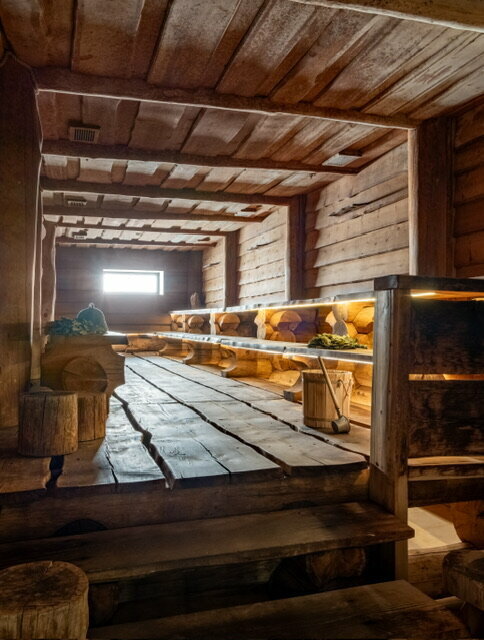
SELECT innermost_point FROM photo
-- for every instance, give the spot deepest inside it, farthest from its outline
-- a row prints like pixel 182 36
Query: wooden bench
pixel 125 556
pixel 384 610
pixel 464 578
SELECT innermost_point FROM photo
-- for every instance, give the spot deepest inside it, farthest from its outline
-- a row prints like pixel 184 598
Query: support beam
pixel 73 186
pixel 138 214
pixel 61 80
pixel 64 148
pixel 134 243
pixel 467 15
pixel 48 273
pixel 231 253
pixel 107 227
pixel 430 177
pixel 295 248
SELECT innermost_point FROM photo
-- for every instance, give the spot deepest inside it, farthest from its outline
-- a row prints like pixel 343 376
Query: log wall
pixel 261 263
pixel 357 228
pixel 79 281
pixel 469 194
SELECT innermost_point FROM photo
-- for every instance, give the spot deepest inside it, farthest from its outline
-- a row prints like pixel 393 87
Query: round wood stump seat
pixel 43 600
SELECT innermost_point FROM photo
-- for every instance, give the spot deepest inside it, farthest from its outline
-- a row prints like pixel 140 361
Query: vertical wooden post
pixel 48 273
pixel 231 254
pixel 37 341
pixel 430 177
pixel 19 179
pixel 295 243
pixel 389 415
pixel 194 273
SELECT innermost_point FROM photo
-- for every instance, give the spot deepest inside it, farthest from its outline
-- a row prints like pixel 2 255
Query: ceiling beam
pixel 73 186
pixel 107 227
pixel 61 80
pixel 138 214
pixel 134 243
pixel 65 148
pixel 467 15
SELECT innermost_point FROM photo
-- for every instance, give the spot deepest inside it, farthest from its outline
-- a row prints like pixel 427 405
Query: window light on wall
pixel 130 281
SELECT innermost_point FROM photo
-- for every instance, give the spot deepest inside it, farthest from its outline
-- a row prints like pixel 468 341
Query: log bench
pixel 115 562
pixel 383 610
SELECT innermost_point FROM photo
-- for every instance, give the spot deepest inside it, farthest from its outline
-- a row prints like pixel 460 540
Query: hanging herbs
pixel 70 327
pixel 333 341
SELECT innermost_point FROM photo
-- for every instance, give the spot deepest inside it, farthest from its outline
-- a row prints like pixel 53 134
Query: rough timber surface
pixel 294 452
pixel 133 552
pixel 177 449
pixel 385 610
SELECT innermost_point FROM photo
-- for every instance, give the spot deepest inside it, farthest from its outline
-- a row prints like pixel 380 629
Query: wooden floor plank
pixel 192 451
pixel 295 452
pixel 139 551
pixel 20 474
pixel 114 463
pixel 385 610
pixel 298 454
pixel 357 440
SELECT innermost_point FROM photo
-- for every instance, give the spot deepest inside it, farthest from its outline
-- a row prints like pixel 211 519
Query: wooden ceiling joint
pixel 151 192
pixel 144 229
pixel 62 240
pixel 66 149
pixel 466 15
pixel 59 80
pixel 125 213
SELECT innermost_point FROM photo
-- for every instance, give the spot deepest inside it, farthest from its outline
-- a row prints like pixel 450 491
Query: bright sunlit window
pixel 128 281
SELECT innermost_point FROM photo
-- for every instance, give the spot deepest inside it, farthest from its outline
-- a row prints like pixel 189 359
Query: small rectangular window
pixel 128 281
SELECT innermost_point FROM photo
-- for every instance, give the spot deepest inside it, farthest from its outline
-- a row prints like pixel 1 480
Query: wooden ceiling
pixel 164 81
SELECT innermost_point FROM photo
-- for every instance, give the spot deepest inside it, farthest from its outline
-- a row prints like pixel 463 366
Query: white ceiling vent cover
pixel 76 202
pixel 80 133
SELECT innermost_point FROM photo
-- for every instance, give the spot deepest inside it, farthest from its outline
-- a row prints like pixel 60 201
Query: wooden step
pixel 385 610
pixel 134 552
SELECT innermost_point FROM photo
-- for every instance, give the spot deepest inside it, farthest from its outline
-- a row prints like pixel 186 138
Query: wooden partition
pixel 418 419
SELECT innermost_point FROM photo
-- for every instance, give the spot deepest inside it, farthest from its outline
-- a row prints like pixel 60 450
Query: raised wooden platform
pixel 183 448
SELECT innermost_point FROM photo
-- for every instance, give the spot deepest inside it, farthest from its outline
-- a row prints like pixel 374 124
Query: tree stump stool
pixel 464 578
pixel 48 423
pixel 92 414
pixel 43 600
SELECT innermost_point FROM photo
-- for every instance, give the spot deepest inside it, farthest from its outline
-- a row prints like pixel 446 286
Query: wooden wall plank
pixel 295 239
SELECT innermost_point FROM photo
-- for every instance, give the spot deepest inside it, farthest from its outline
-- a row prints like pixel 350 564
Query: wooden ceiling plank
pixel 63 240
pixel 65 148
pixel 72 186
pixel 467 15
pixel 64 81
pixel 198 40
pixel 128 227
pixel 120 44
pixel 138 214
pixel 39 31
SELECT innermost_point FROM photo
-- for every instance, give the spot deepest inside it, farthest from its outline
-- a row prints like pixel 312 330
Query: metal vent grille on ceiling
pixel 84 134
pixel 76 202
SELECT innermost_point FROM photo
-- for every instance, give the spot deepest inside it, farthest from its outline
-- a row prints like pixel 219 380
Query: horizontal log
pixel 134 243
pixel 74 186
pixel 64 81
pixel 127 227
pixel 64 148
pixel 467 15
pixel 139 214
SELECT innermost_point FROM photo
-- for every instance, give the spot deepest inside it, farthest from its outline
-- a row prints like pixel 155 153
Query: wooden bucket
pixel 318 407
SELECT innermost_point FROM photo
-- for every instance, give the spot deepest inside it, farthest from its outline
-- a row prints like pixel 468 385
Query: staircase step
pixel 134 552
pixel 385 610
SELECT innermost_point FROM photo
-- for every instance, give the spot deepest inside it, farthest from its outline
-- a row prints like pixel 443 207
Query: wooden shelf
pixel 363 356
